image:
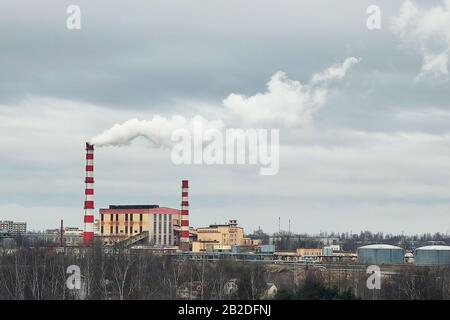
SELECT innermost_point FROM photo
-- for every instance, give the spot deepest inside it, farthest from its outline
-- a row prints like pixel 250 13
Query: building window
pixel 131 216
pixel 126 229
pixel 111 217
pixel 140 217
pixel 117 217
pixel 131 229
pixel 117 229
pixel 101 229
pixel 140 229
pixel 101 217
pixel 111 230
pixel 126 216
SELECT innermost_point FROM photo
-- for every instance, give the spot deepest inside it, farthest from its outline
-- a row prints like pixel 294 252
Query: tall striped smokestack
pixel 88 235
pixel 184 233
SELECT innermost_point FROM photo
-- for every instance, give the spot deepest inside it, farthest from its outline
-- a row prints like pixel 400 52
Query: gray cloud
pixel 428 30
pixel 375 157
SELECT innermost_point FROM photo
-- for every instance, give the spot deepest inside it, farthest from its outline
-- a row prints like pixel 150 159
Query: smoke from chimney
pixel 285 102
pixel 158 131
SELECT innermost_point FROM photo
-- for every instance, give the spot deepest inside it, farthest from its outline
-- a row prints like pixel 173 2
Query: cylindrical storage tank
pixel 235 249
pixel 267 248
pixel 328 251
pixel 432 256
pixel 380 254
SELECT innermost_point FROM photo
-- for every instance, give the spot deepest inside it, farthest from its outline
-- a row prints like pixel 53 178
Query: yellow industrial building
pixel 309 252
pixel 220 237
pixel 120 222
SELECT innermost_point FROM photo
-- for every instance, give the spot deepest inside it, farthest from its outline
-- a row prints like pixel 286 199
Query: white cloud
pixel 338 178
pixel 286 101
pixel 429 31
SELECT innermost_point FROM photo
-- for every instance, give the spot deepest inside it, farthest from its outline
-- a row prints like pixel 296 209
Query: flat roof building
pixel 119 222
pixel 13 227
pixel 217 235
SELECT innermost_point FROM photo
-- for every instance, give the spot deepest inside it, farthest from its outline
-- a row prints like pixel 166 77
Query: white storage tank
pixel 432 256
pixel 380 254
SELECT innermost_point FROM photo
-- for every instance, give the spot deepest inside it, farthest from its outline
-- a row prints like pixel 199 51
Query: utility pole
pixel 279 224
pixel 61 233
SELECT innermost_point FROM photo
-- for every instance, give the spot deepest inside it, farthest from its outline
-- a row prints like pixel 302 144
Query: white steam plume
pixel 338 71
pixel 158 130
pixel 287 102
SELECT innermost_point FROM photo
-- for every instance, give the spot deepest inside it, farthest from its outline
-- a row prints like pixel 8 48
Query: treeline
pixel 314 288
pixel 409 242
pixel 39 274
pixel 349 242
pixel 409 283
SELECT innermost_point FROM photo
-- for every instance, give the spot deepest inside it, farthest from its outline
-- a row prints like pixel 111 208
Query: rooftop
pixel 434 248
pixel 135 206
pixel 139 209
pixel 380 246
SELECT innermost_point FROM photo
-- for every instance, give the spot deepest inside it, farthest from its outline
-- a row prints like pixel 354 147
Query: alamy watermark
pixel 374 20
pixel 73 21
pixel 374 280
pixel 228 147
pixel 73 281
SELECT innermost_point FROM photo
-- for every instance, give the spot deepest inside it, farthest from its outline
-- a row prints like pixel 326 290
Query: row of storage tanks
pixel 387 254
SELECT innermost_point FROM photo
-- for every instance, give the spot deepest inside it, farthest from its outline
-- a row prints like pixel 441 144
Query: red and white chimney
pixel 184 220
pixel 88 235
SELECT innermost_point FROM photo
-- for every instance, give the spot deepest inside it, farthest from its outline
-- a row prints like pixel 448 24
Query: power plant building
pixel 120 222
pixel 380 254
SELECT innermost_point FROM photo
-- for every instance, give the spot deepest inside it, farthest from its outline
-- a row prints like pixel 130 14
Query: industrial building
pixel 13 228
pixel 380 254
pixel 309 252
pixel 67 237
pixel 119 222
pixel 161 226
pixel 220 237
pixel 226 234
pixel 432 256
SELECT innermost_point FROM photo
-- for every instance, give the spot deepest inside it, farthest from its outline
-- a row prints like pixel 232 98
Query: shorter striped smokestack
pixel 88 235
pixel 184 221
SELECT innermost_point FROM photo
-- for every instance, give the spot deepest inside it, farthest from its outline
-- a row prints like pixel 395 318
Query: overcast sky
pixel 373 155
